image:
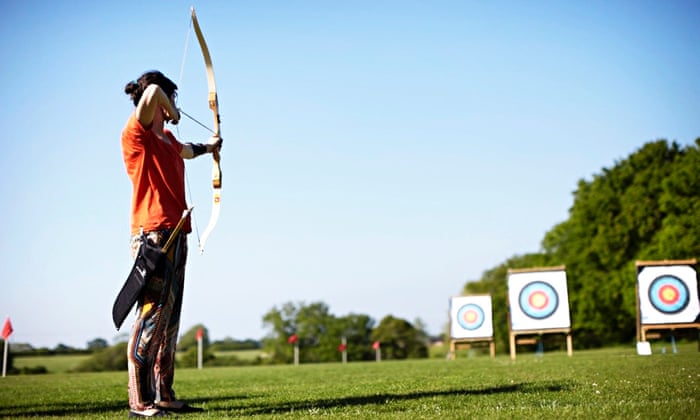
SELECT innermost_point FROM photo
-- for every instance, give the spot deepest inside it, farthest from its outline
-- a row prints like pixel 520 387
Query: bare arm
pixel 154 98
pixel 190 150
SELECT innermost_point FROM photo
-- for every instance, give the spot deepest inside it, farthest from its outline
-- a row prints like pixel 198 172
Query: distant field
pixel 54 364
pixel 610 383
pixel 240 354
pixel 65 363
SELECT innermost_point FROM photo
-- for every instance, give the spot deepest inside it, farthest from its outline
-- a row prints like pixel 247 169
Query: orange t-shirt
pixel 157 173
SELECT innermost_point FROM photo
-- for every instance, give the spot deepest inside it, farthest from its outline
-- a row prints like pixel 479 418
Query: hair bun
pixel 131 87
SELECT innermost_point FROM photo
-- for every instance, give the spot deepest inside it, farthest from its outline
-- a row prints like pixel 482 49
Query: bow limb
pixel 214 106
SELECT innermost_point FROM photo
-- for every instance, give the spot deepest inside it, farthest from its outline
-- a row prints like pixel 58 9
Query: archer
pixel 154 161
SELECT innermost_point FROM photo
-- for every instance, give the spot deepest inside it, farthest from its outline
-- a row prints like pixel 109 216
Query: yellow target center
pixel 668 294
pixel 538 300
pixel 470 316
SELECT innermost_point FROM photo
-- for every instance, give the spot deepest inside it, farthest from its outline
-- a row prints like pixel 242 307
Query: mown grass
pixel 612 383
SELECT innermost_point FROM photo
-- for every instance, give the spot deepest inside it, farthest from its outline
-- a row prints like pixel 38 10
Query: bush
pixel 188 358
pixel 34 370
pixel 111 358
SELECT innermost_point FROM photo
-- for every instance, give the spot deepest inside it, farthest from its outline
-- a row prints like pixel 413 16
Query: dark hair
pixel 135 88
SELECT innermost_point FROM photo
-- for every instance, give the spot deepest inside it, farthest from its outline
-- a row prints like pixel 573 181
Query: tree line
pixel 318 333
pixel 645 207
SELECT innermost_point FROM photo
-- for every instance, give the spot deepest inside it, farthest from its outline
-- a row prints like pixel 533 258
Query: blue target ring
pixel 538 300
pixel 470 317
pixel 669 294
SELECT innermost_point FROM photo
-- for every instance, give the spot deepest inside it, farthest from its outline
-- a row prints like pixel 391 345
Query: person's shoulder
pixel 134 133
pixel 133 124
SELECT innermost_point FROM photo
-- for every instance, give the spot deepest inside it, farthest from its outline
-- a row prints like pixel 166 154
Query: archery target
pixel 538 300
pixel 668 294
pixel 471 317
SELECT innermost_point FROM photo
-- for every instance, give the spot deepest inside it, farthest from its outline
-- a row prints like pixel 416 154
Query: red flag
pixel 375 345
pixel 293 339
pixel 342 347
pixel 200 334
pixel 7 329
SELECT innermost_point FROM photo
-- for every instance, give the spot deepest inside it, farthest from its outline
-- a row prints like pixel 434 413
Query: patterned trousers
pixel 151 349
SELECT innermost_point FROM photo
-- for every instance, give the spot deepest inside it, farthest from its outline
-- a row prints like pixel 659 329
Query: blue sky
pixel 377 156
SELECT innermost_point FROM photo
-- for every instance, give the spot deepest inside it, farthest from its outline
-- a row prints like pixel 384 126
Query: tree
pixel 282 325
pixel 189 348
pixel 97 344
pixel 314 326
pixel 188 340
pixel 357 330
pixel 318 331
pixel 106 359
pixel 230 344
pixel 680 203
pixel 399 339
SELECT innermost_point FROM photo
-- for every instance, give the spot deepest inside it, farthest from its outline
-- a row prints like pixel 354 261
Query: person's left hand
pixel 214 143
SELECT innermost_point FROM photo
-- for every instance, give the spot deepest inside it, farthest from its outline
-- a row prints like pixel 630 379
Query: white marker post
pixel 377 351
pixel 294 340
pixel 4 360
pixel 6 333
pixel 344 349
pixel 200 336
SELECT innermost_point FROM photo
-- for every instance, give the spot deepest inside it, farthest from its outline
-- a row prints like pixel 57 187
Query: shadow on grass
pixel 379 399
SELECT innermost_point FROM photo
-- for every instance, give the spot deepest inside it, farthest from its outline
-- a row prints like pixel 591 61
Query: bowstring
pixel 177 127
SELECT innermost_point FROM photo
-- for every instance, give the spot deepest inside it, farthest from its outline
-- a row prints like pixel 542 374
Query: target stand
pixel 471 322
pixel 468 343
pixel 667 298
pixel 532 336
pixel 538 304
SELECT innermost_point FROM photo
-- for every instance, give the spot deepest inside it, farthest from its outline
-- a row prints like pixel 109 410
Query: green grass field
pixel 610 383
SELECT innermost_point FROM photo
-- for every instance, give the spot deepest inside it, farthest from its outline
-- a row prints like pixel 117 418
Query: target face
pixel 538 300
pixel 668 294
pixel 470 317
